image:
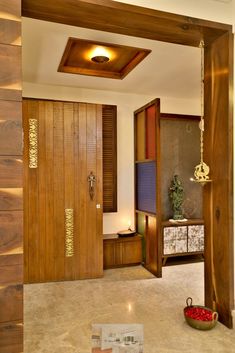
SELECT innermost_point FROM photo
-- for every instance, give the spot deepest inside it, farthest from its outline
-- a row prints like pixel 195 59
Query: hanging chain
pixel 202 170
pixel 201 125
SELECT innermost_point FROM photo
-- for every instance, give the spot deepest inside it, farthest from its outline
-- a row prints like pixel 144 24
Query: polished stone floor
pixel 58 316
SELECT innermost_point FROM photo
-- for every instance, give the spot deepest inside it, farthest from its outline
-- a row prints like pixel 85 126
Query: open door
pixel 62 190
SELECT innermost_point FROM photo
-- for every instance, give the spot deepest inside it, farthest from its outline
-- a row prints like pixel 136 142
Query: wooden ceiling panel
pixel 78 53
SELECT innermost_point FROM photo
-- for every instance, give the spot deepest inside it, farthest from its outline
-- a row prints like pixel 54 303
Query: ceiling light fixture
pixel 100 55
pixel 100 59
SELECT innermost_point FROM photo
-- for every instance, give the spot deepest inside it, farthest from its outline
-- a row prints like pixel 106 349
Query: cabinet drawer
pixel 195 238
pixel 175 240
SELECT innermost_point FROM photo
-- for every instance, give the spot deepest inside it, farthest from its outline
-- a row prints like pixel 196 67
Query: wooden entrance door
pixel 63 217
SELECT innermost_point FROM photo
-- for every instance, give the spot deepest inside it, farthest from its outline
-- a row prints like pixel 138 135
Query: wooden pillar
pixel 11 207
pixel 218 196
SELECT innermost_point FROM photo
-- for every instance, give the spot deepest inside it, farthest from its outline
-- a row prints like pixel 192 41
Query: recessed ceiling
pixel 169 71
pixel 92 58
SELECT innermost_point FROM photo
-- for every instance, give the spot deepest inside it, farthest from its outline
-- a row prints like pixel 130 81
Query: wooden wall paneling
pixel 10 74
pixel 109 113
pixel 11 300
pixel 10 10
pixel 11 229
pixel 10 32
pixel 11 260
pixel 10 128
pixel 11 199
pixel 69 182
pixel 59 197
pixel 11 215
pixel 10 171
pixel 218 199
pixel 11 337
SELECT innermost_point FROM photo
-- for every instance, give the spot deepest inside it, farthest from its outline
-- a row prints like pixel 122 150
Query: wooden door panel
pixel 92 126
pixel 59 189
pixel 69 141
pixel 90 245
pixel 152 246
pixel 69 181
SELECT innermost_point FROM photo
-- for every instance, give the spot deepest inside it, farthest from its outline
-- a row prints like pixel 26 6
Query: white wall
pixel 218 11
pixel 126 104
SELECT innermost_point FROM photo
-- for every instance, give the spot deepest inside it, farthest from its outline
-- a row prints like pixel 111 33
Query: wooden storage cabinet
pixel 122 251
pixel 187 239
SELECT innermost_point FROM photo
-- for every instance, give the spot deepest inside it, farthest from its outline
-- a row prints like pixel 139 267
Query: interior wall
pixel 126 104
pixel 214 10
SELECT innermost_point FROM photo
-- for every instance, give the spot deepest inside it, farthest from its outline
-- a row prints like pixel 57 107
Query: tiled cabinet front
pixel 195 238
pixel 183 239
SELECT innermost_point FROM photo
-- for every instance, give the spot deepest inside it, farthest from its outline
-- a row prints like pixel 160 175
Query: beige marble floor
pixel 58 316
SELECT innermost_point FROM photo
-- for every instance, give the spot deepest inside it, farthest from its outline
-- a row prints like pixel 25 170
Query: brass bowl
pixel 200 324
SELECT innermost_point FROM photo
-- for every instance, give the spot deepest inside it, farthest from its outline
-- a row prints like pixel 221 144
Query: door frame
pixel 157 25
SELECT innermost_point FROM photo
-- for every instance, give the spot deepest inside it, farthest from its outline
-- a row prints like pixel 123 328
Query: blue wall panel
pixel 146 186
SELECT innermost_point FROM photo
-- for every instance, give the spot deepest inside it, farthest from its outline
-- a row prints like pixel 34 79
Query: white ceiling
pixel 170 70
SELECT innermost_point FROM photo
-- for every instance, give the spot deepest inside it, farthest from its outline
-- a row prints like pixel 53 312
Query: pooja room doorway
pixel 217 196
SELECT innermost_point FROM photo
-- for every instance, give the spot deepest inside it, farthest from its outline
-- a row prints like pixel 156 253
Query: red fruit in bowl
pixel 197 313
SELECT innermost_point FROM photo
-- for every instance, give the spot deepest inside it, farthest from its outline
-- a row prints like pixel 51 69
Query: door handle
pixel 91 180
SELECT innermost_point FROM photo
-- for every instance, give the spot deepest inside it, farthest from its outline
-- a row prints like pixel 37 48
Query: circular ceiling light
pixel 100 55
pixel 100 59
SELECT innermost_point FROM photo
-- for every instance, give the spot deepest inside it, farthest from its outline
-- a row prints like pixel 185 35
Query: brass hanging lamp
pixel 202 170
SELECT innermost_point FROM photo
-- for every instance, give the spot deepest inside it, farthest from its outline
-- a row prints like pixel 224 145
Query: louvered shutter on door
pixel 109 158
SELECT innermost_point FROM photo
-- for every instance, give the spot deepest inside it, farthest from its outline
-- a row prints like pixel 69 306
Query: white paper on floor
pixel 117 338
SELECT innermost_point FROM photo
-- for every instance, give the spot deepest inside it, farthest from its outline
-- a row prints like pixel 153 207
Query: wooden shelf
pixel 186 223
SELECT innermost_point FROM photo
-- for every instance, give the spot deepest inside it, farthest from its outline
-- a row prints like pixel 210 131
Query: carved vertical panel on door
pixel 11 206
pixel 63 226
